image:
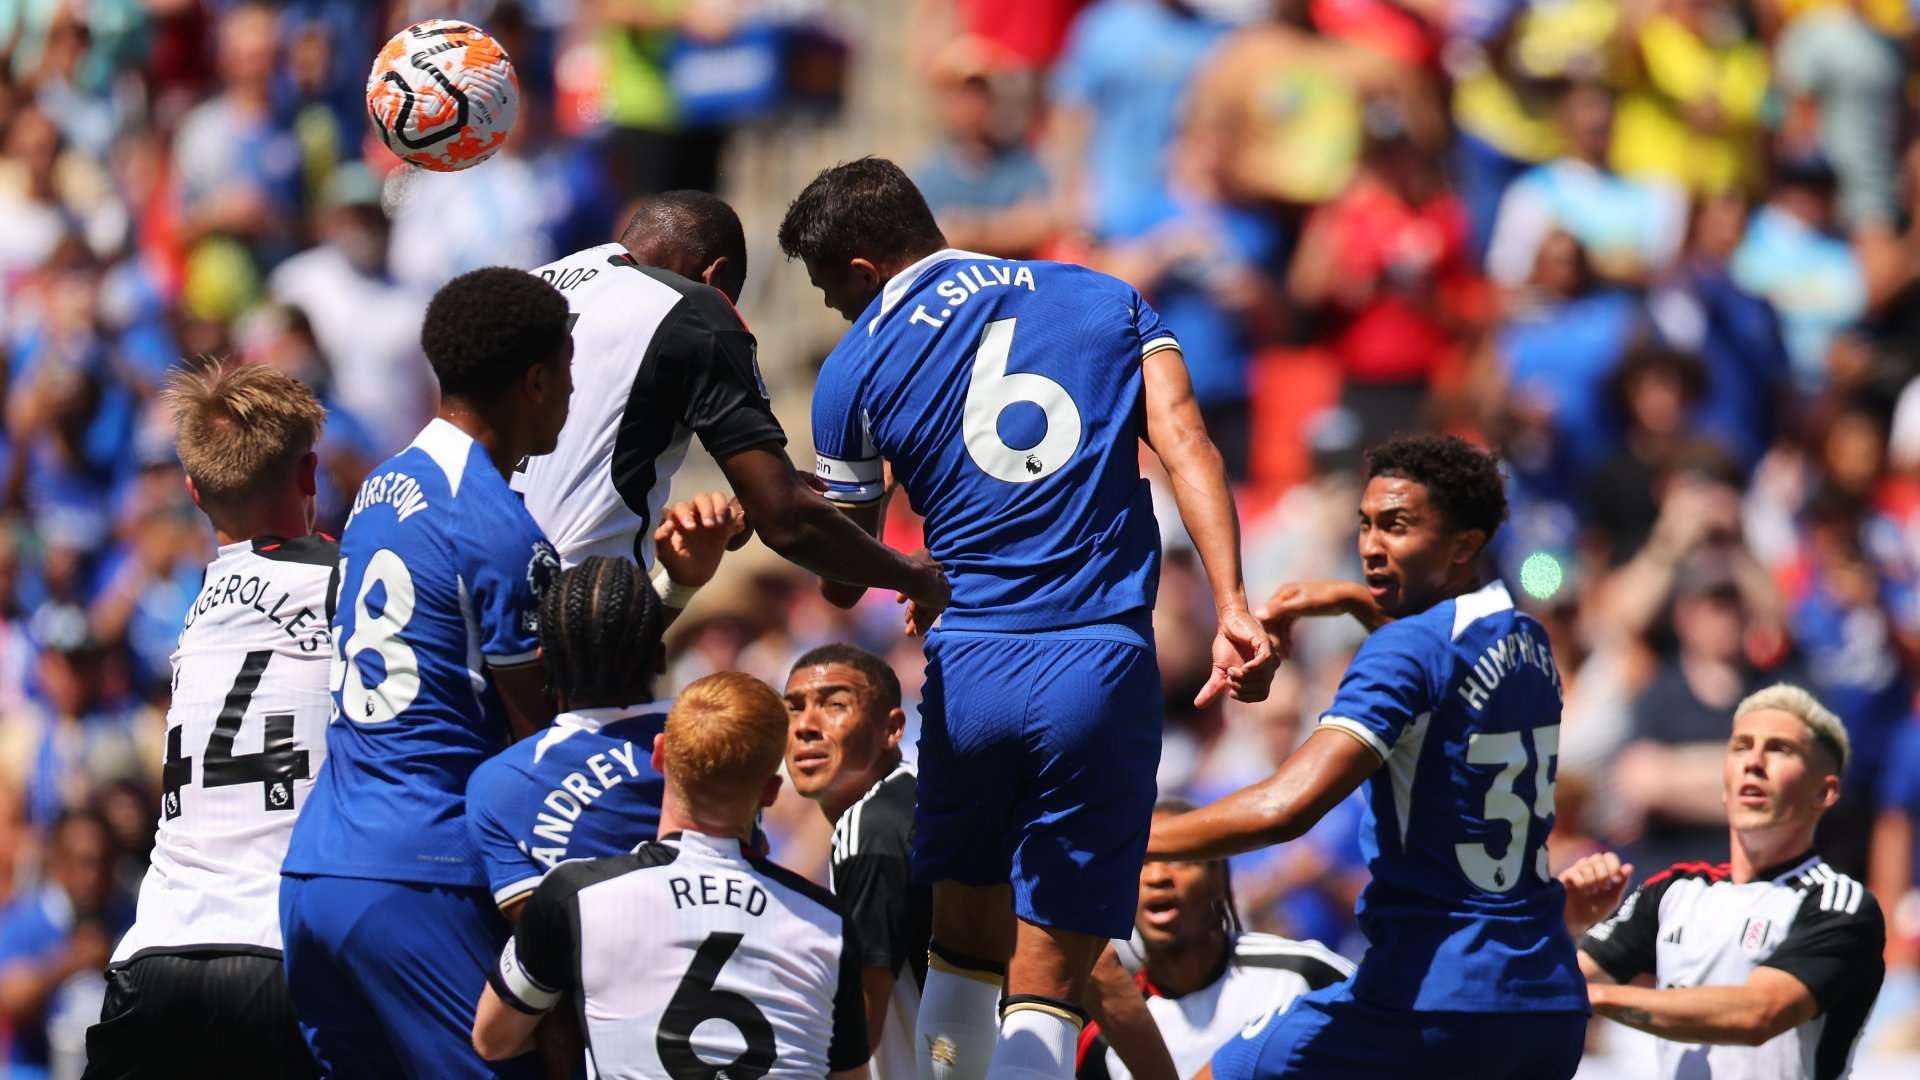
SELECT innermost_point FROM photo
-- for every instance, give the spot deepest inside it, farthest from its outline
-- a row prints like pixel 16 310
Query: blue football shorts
pixel 1329 1033
pixel 1037 759
pixel 385 976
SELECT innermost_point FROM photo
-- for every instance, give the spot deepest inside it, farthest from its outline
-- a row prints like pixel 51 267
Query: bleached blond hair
pixel 1797 701
pixel 241 429
pixel 725 735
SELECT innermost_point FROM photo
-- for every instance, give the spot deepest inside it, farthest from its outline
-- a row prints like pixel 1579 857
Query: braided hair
pixel 600 627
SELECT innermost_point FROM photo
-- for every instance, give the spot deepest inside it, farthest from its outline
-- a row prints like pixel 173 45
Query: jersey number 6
pixel 1508 750
pixel 990 390
pixel 695 1001
pixel 400 683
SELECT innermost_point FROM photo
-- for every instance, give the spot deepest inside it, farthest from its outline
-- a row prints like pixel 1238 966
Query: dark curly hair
pixel 879 676
pixel 861 209
pixel 486 327
pixel 600 625
pixel 1463 481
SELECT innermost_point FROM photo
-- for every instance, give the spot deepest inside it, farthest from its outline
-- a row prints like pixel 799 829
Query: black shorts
pixel 197 1014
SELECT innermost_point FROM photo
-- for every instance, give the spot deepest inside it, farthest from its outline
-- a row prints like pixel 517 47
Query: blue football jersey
pixel 1462 703
pixel 583 789
pixel 441 569
pixel 1008 397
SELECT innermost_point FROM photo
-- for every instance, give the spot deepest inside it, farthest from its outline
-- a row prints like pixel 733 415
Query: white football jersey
pixel 1262 977
pixel 690 957
pixel 245 736
pixel 657 359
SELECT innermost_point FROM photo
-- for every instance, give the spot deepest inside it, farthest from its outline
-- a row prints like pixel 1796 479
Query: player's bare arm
pixel 1314 778
pixel 1769 1003
pixel 1243 661
pixel 868 517
pixel 807 530
pixel 501 1031
pixel 1313 599
pixel 1113 1000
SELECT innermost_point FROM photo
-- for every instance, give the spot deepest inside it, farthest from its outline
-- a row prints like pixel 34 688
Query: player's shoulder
pixel 1829 893
pixel 1702 875
pixel 496 780
pixel 801 888
pixel 316 549
pixel 1422 638
pixel 1313 962
pixel 567 880
pixel 881 823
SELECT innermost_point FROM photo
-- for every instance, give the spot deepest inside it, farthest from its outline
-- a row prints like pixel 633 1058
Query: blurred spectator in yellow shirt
pixel 1692 114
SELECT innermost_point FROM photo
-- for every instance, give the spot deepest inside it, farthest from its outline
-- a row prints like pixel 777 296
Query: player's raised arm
pixel 1324 770
pixel 807 530
pixel 1243 662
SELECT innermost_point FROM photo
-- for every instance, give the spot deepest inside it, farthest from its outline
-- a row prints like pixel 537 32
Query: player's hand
pixel 1594 887
pixel 926 604
pixel 1243 660
pixel 1306 599
pixel 693 535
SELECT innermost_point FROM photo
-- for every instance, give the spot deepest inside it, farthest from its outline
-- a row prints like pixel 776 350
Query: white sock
pixel 1039 1040
pixel 954 1036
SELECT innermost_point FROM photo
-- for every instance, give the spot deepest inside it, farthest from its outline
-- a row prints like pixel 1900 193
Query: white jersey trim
pixel 1359 731
pixel 1490 599
pixel 897 285
pixel 448 446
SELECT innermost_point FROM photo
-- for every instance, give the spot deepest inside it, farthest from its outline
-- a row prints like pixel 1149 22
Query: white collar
pixel 896 288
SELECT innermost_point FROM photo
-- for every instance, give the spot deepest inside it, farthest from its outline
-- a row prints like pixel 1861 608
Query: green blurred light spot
pixel 1541 575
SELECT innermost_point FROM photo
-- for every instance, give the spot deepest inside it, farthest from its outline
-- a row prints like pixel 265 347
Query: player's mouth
pixel 809 760
pixel 1161 912
pixel 1752 795
pixel 1380 585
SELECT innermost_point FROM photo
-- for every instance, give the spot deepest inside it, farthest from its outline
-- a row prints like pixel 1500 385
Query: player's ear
pixel 896 727
pixel 715 275
pixel 309 466
pixel 863 271
pixel 1829 791
pixel 771 791
pixel 1469 546
pixel 193 493
pixel 659 757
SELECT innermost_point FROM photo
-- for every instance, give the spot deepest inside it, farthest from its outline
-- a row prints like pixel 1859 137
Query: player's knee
pixel 974 921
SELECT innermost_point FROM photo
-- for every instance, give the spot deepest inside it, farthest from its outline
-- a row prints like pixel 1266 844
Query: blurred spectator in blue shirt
pixel 1120 88
pixel 74 737
pixel 988 189
pixel 1811 275
pixel 54 943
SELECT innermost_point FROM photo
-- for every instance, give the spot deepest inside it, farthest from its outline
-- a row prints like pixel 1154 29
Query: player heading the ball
pixel 1010 399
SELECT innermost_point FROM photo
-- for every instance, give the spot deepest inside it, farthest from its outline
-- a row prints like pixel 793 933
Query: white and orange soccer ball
pixel 443 95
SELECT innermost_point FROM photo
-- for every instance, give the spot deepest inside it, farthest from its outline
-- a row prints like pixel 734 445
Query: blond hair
pixel 241 429
pixel 725 736
pixel 1796 701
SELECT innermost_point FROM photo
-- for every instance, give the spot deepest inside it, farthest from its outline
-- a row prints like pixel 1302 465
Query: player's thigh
pixel 1325 1034
pixel 1531 1046
pixel 338 1020
pixel 973 700
pixel 1092 737
pixel 217 1015
pixel 421 957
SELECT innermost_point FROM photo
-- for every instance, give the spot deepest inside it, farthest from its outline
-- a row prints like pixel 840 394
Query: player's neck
pixel 287 520
pixel 502 449
pixel 836 806
pixel 1754 850
pixel 676 816
pixel 1182 968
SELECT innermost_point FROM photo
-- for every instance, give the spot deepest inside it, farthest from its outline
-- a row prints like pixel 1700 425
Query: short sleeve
pixel 510 873
pixel 1154 334
pixel 709 366
pixel 1385 688
pixel 844 455
pixel 535 967
pixel 1836 945
pixel 1626 944
pixel 875 890
pixel 847 1048
pixel 509 565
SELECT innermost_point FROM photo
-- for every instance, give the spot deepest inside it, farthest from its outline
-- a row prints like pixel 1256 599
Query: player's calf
pixel 958 1024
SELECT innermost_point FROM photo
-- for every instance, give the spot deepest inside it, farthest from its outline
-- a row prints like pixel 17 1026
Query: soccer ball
pixel 442 95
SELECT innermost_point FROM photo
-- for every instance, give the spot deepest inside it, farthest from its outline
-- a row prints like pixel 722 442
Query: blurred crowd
pixel 1663 255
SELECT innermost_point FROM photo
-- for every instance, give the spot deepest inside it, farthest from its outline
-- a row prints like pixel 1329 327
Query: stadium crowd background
pixel 1663 254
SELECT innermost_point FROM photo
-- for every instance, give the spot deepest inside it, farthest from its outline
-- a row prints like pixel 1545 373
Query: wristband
pixel 671 593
